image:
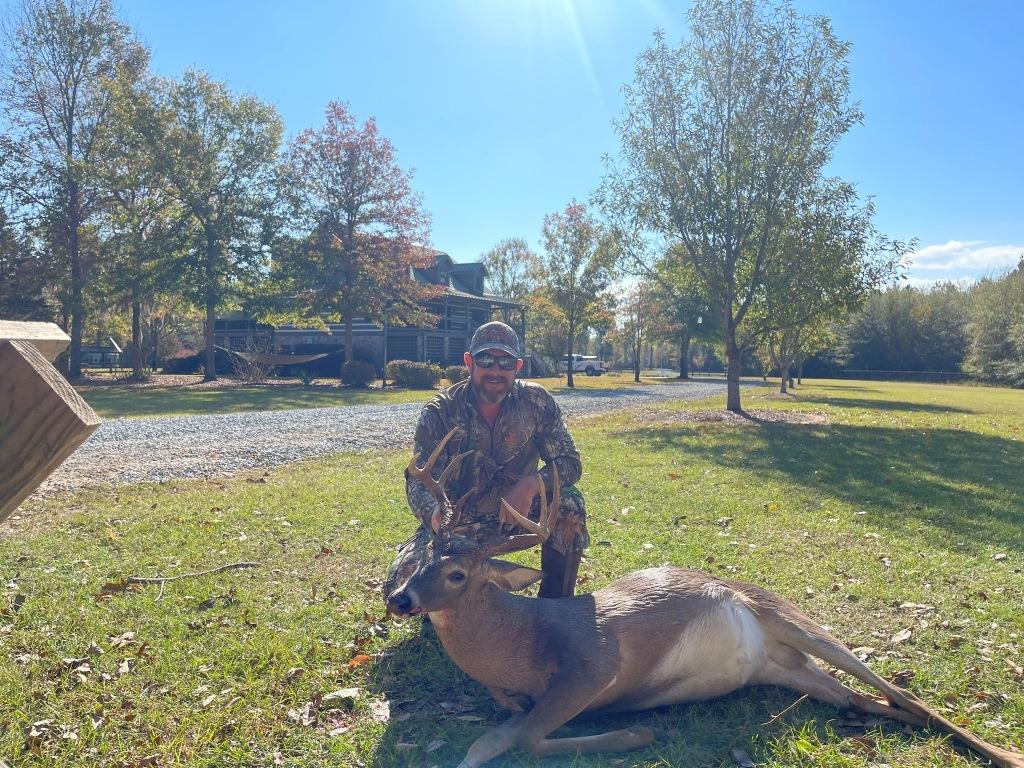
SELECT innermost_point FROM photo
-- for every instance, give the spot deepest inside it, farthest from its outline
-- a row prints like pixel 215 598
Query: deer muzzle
pixel 401 603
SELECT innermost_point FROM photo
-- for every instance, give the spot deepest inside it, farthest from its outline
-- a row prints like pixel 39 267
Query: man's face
pixel 491 384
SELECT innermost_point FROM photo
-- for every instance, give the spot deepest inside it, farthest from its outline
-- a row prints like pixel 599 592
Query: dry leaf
pixel 380 710
pixel 434 745
pixel 358 660
pixel 901 636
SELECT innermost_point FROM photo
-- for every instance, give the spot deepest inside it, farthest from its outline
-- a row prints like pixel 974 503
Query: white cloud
pixel 926 283
pixel 968 259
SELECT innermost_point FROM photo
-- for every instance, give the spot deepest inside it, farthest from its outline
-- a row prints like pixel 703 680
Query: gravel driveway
pixel 148 450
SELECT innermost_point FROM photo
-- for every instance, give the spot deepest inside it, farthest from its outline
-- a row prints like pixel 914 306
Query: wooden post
pixel 42 419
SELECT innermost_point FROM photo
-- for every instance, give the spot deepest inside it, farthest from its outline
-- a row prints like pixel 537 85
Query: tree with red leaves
pixel 361 229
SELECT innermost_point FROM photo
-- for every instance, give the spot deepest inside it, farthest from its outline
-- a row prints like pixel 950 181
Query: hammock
pixel 264 358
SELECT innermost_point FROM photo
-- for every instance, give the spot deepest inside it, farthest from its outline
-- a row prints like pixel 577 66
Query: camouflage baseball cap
pixel 495 335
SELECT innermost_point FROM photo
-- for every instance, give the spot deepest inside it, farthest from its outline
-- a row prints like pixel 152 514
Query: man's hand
pixel 520 497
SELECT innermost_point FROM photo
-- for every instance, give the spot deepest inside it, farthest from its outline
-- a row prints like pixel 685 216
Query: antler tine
pixel 543 527
pixel 424 473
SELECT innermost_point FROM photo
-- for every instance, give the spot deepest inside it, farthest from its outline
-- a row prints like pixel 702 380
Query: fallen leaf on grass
pixel 863 652
pixel 121 641
pixel 404 746
pixel 741 758
pixel 1000 556
pixel 304 716
pixel 380 710
pixel 901 637
pixel 294 674
pixel 434 745
pixel 358 660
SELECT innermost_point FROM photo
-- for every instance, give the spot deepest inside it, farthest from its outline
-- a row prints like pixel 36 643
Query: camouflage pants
pixel 569 535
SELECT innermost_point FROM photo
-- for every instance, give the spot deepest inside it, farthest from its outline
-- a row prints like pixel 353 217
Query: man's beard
pixel 491 394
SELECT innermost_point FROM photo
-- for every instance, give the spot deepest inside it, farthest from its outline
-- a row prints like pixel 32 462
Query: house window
pixel 434 347
pixel 401 348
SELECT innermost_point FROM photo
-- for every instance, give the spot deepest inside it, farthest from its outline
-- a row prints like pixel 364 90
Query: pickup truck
pixel 588 364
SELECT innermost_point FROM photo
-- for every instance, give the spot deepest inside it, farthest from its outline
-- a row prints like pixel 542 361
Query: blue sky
pixel 504 108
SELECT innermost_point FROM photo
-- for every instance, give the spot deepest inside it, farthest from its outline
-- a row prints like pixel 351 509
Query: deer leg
pixel 812 680
pixel 495 742
pixel 568 695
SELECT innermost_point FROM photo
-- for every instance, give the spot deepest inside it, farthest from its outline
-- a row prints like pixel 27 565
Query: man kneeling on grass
pixel 509 426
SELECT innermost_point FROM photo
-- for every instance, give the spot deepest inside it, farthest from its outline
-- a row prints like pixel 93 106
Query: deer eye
pixel 456 577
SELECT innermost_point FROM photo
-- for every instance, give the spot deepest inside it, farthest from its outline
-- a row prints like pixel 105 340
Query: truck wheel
pixel 590 371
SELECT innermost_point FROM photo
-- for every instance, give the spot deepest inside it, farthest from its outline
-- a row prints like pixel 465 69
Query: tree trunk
pixel 734 361
pixel 77 280
pixel 349 342
pixel 211 308
pixel 784 374
pixel 684 355
pixel 637 353
pixel 800 373
pixel 568 359
pixel 137 340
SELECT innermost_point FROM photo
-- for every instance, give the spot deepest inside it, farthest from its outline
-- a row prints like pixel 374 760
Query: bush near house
pixel 358 375
pixel 456 373
pixel 406 373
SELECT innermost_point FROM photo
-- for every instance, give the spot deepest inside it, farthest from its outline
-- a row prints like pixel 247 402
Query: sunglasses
pixel 487 360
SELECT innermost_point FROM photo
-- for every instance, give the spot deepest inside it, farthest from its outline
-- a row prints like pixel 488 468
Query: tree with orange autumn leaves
pixel 357 228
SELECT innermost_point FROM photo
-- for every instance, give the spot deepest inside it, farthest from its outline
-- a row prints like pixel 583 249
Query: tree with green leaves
pixel 512 270
pixel 217 156
pixel 361 230
pixel 996 328
pixel 61 58
pixel 145 229
pixel 24 275
pixel 579 265
pixel 722 137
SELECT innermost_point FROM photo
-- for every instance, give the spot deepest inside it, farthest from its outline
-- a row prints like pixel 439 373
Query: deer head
pixel 455 566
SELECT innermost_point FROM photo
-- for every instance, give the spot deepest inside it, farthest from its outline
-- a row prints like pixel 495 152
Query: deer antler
pixel 539 531
pixel 437 487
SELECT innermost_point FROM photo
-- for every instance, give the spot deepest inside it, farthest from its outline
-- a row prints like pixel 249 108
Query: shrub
pixel 357 374
pixel 456 373
pixel 406 373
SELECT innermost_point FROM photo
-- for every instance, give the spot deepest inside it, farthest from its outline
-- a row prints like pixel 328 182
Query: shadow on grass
pixel 968 487
pixel 880 405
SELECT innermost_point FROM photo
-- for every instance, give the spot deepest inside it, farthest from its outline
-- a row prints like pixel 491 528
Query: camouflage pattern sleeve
pixel 557 446
pixel 429 431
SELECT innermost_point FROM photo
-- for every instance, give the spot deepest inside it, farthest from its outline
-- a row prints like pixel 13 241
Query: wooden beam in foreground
pixel 48 338
pixel 42 421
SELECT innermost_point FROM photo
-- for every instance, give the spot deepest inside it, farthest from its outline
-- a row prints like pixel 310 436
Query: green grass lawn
pixel 112 401
pixel 904 511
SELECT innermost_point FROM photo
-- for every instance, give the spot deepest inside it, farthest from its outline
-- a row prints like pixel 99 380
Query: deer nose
pixel 400 603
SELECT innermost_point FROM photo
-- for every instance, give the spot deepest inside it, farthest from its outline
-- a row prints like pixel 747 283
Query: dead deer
pixel 654 637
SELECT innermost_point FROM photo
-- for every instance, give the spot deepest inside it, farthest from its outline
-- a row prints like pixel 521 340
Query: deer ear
pixel 510 576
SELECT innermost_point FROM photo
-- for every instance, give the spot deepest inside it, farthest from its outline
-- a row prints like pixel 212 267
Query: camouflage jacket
pixel 529 429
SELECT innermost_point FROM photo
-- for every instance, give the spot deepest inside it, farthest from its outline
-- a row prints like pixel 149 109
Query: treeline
pixel 977 331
